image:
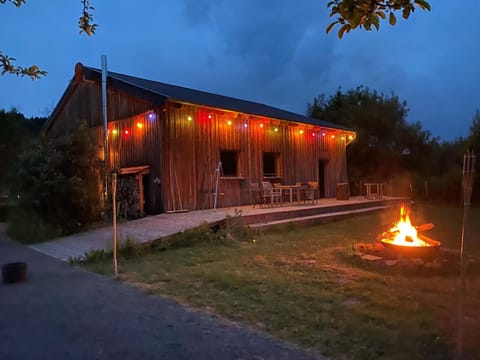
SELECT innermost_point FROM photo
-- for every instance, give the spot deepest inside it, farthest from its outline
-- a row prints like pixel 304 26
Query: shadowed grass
pixel 301 284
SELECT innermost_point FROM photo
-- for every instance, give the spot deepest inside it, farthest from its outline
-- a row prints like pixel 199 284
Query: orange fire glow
pixel 404 233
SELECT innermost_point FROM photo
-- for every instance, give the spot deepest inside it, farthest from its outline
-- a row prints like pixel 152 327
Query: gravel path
pixel 64 312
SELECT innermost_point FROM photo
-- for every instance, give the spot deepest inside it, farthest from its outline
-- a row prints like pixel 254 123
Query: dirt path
pixel 64 312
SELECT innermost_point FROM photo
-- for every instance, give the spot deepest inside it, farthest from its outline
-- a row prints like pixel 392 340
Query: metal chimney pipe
pixel 105 124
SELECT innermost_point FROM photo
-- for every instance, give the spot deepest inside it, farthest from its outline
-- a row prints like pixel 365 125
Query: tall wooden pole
pixel 467 187
pixel 114 204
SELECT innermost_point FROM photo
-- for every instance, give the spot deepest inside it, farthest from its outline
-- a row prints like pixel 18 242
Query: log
pixel 424 227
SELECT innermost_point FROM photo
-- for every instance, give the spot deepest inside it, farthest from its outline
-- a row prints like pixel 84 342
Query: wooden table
pixel 377 194
pixel 291 189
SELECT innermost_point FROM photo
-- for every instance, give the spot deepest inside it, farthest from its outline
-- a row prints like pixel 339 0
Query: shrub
pixel 58 181
pixel 4 211
pixel 28 227
pixel 234 229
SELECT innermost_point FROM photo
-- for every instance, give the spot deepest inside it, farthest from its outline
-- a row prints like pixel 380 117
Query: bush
pixel 59 182
pixel 447 187
pixel 234 229
pixel 4 211
pixel 189 237
pixel 28 227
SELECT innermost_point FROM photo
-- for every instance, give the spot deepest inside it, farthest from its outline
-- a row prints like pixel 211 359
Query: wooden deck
pixel 158 226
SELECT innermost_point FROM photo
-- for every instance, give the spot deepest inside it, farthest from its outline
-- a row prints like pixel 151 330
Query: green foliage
pixel 446 187
pixel 473 142
pixel 92 257
pixel 4 212
pixel 127 250
pixel 367 14
pixel 17 3
pixel 59 180
pixel 85 22
pixel 385 144
pixel 131 250
pixel 28 226
pixel 389 149
pixel 7 66
pixel 474 136
pixel 231 231
pixel 7 63
pixel 234 229
pixel 17 133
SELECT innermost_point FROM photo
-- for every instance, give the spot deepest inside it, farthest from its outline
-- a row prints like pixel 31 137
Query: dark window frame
pixel 270 164
pixel 229 159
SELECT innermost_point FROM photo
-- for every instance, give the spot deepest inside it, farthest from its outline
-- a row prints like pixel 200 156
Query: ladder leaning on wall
pixel 218 174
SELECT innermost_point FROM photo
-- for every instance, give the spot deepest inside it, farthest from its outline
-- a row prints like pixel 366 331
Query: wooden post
pixel 467 185
pixel 114 201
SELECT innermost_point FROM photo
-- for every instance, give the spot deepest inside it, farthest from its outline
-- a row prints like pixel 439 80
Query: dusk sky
pixel 270 51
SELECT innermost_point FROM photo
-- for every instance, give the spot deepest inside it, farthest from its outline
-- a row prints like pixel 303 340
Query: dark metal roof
pixel 202 98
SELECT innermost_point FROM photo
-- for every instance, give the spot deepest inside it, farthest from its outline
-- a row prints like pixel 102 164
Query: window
pixel 270 164
pixel 229 162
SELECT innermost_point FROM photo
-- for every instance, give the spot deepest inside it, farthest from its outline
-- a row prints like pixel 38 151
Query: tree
pixel 385 144
pixel 367 14
pixel 17 132
pixel 7 63
pixel 474 143
pixel 474 136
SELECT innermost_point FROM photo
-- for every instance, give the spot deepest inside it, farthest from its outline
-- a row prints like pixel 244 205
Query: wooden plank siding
pixel 192 143
pixel 141 147
pixel 85 104
pixel 182 142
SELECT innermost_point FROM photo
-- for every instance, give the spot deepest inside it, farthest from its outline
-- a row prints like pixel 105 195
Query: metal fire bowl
pixel 423 252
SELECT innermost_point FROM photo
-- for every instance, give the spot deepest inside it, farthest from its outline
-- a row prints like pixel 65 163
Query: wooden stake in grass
pixel 114 200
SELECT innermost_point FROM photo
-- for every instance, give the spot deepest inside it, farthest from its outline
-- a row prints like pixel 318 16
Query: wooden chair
pixel 316 190
pixel 270 195
pixel 309 192
pixel 256 194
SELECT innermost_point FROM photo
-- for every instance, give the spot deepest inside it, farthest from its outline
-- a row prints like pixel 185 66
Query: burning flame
pixel 404 233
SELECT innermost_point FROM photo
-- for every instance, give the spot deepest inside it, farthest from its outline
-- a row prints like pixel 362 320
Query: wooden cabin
pixel 172 140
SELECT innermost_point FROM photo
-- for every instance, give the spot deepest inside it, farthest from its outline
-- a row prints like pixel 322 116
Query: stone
pixel 417 261
pixel 391 262
pixel 432 265
pixel 371 257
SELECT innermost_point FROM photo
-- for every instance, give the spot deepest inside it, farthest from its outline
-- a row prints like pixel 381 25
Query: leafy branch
pixel 85 22
pixel 7 66
pixel 367 14
pixel 7 63
pixel 17 3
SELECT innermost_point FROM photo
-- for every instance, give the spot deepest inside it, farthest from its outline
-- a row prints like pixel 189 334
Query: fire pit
pixel 405 239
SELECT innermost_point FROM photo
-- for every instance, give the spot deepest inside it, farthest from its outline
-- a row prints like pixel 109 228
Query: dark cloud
pixel 270 51
pixel 263 34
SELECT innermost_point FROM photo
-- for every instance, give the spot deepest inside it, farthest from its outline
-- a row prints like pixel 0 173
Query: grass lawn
pixel 302 284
